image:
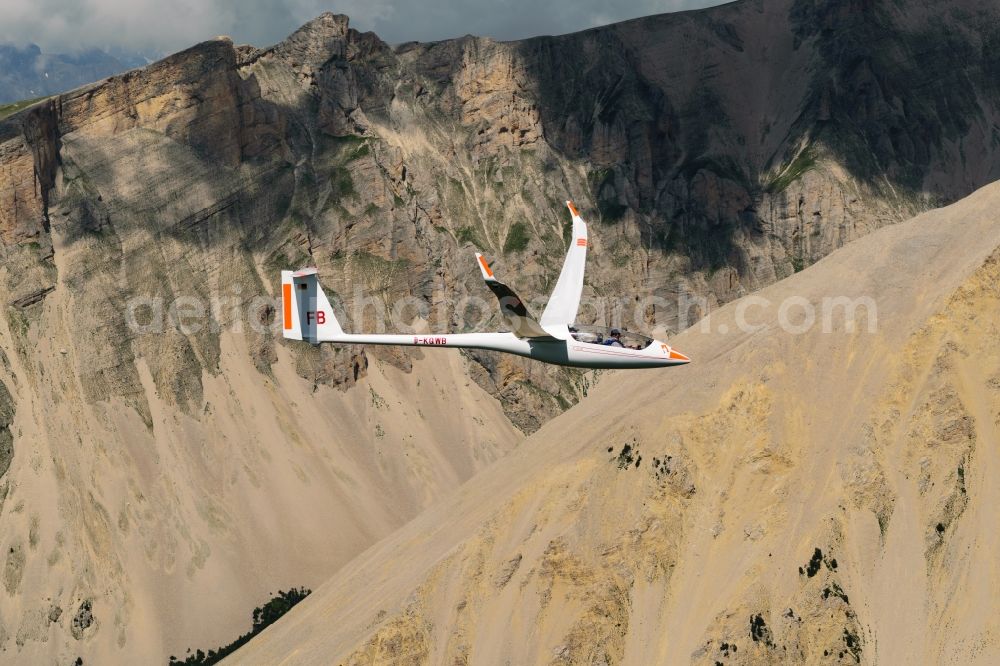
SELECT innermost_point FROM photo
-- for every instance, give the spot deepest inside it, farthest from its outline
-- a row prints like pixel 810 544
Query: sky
pixel 164 26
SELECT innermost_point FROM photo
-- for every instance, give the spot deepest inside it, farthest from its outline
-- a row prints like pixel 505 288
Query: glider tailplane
pixel 565 300
pixel 305 310
pixel 513 309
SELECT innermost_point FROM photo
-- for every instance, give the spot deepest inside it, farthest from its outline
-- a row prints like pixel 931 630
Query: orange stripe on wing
pixel 286 298
pixel 582 242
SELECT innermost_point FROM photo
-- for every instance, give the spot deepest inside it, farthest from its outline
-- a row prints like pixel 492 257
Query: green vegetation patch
pixel 835 591
pixel 469 235
pixel 759 631
pixel 364 150
pixel 517 238
pixel 7 110
pixel 602 181
pixel 611 211
pixel 263 617
pixel 599 178
pixel 377 273
pixel 287 257
pixel 853 644
pixel 628 456
pixel 805 161
pixel 621 253
pixel 342 183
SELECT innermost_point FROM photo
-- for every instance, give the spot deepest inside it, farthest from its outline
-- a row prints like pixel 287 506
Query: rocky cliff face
pixel 789 134
pixel 714 152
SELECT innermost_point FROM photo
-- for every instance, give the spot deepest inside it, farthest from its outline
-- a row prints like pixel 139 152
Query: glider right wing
pixel 565 300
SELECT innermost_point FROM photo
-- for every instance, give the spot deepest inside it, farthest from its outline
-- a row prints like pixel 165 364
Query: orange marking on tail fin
pixel 286 299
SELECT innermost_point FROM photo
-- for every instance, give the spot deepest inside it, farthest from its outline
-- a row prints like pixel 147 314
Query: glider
pixel 552 338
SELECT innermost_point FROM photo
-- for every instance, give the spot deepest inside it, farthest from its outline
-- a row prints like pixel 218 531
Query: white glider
pixel 553 338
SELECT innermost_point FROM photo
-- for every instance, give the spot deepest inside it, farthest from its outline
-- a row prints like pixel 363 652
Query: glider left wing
pixel 514 311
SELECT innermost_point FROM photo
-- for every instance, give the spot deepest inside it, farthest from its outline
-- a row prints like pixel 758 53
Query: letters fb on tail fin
pixel 306 313
pixel 513 309
pixel 565 300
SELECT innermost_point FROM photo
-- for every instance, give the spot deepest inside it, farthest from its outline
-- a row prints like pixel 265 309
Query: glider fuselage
pixel 569 352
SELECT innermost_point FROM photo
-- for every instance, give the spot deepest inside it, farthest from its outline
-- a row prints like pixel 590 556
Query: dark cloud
pixel 167 25
pixel 512 19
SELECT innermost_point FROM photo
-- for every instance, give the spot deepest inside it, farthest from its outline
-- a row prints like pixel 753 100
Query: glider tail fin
pixel 306 312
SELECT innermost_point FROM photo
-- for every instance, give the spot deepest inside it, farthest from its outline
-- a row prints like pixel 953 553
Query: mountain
pixel 169 461
pixel 818 496
pixel 27 73
pixel 799 126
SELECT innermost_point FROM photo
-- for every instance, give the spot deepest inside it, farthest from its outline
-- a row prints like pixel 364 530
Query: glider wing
pixel 565 300
pixel 514 311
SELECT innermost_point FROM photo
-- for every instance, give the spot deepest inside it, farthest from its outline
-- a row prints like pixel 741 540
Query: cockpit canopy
pixel 599 335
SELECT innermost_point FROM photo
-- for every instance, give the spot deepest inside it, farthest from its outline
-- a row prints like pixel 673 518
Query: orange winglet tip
pixel 677 356
pixel 572 209
pixel 486 266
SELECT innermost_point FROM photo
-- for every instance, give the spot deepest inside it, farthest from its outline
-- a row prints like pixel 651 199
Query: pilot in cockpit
pixel 615 339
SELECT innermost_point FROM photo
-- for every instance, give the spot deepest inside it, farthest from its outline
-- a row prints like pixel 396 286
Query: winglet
pixel 485 268
pixel 572 209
